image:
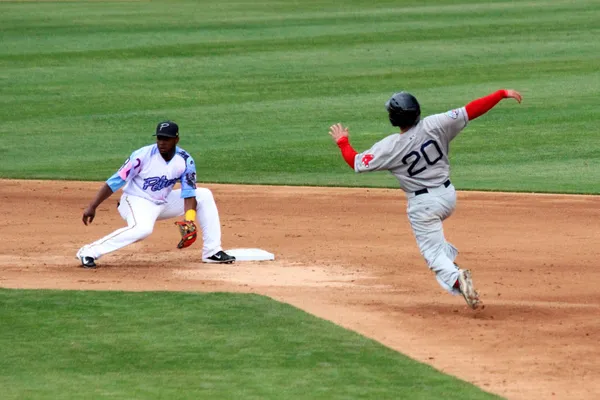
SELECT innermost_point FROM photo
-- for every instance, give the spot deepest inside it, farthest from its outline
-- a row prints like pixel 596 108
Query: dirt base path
pixel 348 255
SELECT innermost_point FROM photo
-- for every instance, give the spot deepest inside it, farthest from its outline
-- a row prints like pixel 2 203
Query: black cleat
pixel 88 262
pixel 220 257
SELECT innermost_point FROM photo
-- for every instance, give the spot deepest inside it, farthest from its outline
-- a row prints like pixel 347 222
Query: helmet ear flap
pixel 394 120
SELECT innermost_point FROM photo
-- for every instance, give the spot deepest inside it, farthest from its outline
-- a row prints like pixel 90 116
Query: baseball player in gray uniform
pixel 418 158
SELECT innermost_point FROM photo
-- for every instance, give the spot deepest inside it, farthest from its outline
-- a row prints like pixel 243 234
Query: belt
pixel 423 191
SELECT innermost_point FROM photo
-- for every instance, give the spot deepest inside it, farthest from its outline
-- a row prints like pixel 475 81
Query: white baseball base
pixel 250 254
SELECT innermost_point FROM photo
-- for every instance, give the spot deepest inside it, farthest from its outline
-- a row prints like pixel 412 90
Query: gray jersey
pixel 418 158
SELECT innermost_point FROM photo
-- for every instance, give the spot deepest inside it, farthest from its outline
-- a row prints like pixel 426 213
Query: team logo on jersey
pixel 124 164
pixel 452 114
pixel 366 159
pixel 155 183
pixel 190 179
pixel 127 167
pixel 183 154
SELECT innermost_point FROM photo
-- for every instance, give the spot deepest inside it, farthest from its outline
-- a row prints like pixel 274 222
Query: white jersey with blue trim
pixel 418 158
pixel 146 174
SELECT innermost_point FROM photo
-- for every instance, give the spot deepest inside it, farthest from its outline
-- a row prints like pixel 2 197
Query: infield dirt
pixel 348 255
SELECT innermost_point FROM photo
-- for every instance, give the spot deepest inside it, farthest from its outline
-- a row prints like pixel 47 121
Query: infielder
pixel 418 158
pixel 147 178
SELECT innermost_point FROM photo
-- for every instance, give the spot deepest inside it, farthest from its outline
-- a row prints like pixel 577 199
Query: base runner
pixel 418 157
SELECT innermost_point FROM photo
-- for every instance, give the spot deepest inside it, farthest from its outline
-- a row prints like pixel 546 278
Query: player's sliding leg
pixel 140 215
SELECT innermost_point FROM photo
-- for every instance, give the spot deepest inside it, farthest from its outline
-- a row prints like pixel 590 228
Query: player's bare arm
pixel 90 212
pixel 478 107
pixel 339 133
pixel 190 204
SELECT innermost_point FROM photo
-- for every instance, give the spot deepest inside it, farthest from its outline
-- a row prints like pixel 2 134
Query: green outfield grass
pixel 255 86
pixel 161 345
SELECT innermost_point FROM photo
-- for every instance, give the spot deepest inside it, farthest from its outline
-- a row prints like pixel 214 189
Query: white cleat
pixel 467 290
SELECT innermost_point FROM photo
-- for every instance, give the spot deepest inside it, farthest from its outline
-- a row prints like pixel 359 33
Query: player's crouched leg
pixel 142 231
pixel 205 196
pixel 208 217
pixel 120 238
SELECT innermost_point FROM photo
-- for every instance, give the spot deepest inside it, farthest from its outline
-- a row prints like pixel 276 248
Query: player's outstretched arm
pixel 339 134
pixel 90 212
pixel 478 107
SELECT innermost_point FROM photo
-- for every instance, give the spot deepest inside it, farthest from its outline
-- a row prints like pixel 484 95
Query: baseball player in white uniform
pixel 147 178
pixel 418 158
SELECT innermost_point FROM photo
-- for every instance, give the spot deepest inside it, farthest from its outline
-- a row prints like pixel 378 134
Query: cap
pixel 167 128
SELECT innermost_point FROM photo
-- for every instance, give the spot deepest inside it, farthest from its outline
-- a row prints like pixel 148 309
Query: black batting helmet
pixel 403 109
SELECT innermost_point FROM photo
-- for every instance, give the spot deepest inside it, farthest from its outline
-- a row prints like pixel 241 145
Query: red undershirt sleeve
pixel 478 107
pixel 347 151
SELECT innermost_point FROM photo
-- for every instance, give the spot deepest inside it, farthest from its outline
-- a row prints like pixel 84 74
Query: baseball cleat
pixel 467 290
pixel 88 262
pixel 220 257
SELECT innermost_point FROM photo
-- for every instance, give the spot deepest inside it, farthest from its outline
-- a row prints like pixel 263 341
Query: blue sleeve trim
pixel 188 179
pixel 115 182
pixel 187 193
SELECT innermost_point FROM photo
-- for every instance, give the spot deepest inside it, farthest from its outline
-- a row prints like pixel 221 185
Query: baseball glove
pixel 188 233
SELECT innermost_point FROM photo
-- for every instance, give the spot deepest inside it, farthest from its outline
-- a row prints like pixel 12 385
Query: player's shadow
pixel 493 310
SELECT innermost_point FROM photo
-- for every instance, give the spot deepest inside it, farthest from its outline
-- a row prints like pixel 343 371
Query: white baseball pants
pixel 426 213
pixel 141 215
